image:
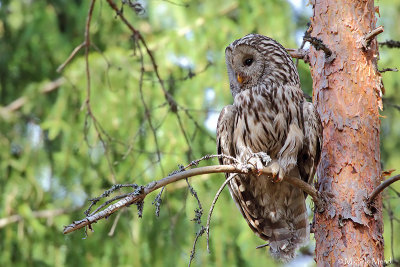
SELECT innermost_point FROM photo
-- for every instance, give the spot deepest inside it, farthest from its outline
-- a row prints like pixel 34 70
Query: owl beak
pixel 239 78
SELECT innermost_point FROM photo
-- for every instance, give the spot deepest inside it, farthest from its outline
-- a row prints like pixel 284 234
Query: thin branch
pixel 197 125
pixel 48 214
pixel 212 208
pixel 367 39
pixel 199 210
pixel 299 54
pixel 182 128
pixel 388 69
pixel 98 128
pixel 114 225
pixel 147 110
pixel 171 101
pixel 19 102
pixel 303 43
pixel 71 56
pixel 87 46
pixel 152 186
pixel 390 44
pixel 381 187
pixel 319 45
pixel 193 252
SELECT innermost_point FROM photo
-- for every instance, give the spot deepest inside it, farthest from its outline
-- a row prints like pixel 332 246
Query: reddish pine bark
pixel 347 92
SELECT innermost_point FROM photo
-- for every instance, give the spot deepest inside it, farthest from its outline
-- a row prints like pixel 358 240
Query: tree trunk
pixel 347 90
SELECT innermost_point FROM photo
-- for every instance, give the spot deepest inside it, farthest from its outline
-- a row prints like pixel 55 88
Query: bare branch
pixel 388 69
pixel 139 196
pixel 193 252
pixel 136 34
pixel 390 44
pixel 212 208
pixel 367 39
pixel 19 102
pixel 48 214
pixel 71 56
pixel 381 187
pixel 298 54
pixel 319 45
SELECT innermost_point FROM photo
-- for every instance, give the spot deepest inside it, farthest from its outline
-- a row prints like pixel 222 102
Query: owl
pixel 269 119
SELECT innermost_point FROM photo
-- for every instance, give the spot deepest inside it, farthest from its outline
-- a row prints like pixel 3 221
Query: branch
pixel 138 36
pixel 390 44
pixel 381 187
pixel 71 56
pixel 19 102
pixel 152 186
pixel 299 54
pixel 35 214
pixel 212 208
pixel 388 69
pixel 367 39
pixel 319 45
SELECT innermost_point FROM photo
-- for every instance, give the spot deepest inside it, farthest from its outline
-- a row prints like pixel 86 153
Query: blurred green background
pixel 52 159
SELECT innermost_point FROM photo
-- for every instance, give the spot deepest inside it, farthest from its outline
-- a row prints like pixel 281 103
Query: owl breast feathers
pixel 269 116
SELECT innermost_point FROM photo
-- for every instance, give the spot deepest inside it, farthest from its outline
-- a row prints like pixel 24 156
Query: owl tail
pixel 292 230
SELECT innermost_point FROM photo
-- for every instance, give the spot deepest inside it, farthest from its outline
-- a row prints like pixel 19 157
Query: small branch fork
pixel 139 196
pixel 318 45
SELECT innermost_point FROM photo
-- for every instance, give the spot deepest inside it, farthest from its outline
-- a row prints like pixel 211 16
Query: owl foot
pixel 277 172
pixel 259 161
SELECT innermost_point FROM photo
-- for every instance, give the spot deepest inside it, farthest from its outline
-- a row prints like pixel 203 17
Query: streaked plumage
pixel 269 115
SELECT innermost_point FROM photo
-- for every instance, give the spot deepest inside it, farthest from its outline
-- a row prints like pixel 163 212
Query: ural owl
pixel 269 117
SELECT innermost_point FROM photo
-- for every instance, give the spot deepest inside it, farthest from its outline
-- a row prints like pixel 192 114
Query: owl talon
pixel 277 172
pixel 276 178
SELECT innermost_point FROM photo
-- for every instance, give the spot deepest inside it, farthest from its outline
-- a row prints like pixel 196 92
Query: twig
pixel 262 246
pixel 135 198
pixel 388 69
pixel 157 202
pixel 298 54
pixel 205 132
pixel 381 187
pixel 171 101
pixel 390 44
pixel 182 128
pixel 367 39
pixel 212 208
pixel 147 110
pixel 303 43
pixel 114 225
pixel 193 252
pixel 98 128
pixel 319 45
pixel 19 102
pixel 199 210
pixel 387 101
pixel 48 214
pixel 71 56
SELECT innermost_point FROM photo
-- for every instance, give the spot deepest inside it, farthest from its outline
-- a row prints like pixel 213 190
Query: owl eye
pixel 248 61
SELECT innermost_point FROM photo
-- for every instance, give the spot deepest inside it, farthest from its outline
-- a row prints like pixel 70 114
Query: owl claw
pixel 277 172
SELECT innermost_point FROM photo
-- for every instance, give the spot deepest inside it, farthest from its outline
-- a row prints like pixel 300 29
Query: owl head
pixel 257 60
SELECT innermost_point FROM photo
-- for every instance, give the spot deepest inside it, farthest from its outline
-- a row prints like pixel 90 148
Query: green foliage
pixel 54 156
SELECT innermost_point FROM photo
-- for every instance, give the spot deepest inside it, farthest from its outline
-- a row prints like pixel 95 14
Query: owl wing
pixel 225 145
pixel 310 154
pixel 225 128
